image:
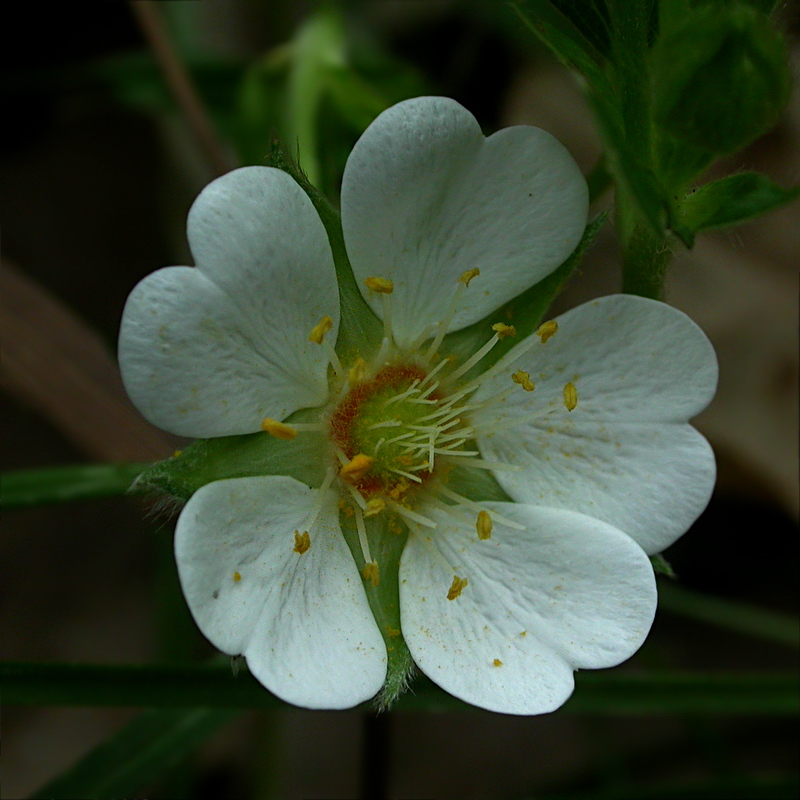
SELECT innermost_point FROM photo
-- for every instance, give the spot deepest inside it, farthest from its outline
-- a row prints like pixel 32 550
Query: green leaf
pixel 135 756
pixel 728 201
pixel 61 484
pixel 735 616
pixel 568 44
pixel 721 78
pixel 215 686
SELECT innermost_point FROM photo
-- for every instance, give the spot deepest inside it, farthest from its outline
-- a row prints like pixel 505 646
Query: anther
pixel 502 330
pixel 456 587
pixel 467 276
pixel 355 469
pixel 318 332
pixel 357 372
pixel 371 573
pixel 523 379
pixel 546 330
pixel 278 429
pixel 380 285
pixel 570 396
pixel 484 525
pixel 374 506
pixel 317 336
pixel 302 541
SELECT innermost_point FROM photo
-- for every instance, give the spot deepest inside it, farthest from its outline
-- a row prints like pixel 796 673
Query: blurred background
pixel 100 165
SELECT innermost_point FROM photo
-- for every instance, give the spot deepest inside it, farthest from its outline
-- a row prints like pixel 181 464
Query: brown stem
pixel 180 82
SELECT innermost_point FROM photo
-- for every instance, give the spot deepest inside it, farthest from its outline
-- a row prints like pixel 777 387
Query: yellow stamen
pixel 374 506
pixel 371 573
pixel 302 541
pixel 278 429
pixel 381 285
pixel 497 662
pixel 177 454
pixel 503 330
pixel 456 587
pixel 570 396
pixel 357 372
pixel 236 577
pixel 356 468
pixel 484 525
pixel 320 329
pixel 546 330
pixel 523 379
pixel 469 275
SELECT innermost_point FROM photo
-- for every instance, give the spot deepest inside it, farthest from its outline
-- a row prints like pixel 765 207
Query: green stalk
pixel 61 484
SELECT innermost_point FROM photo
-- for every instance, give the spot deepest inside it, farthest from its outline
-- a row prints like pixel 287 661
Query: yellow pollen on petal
pixel 374 506
pixel 570 396
pixel 380 285
pixel 371 573
pixel 467 276
pixel 456 587
pixel 523 379
pixel 546 330
pixel 497 662
pixel 502 330
pixel 320 329
pixel 356 468
pixel 278 429
pixel 236 577
pixel 302 541
pixel 484 525
pixel 392 633
pixel 357 372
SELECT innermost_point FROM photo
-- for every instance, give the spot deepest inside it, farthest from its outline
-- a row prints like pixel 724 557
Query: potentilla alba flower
pixel 493 513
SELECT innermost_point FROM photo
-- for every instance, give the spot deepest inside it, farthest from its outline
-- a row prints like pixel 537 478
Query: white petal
pixel 211 351
pixel 624 454
pixel 650 481
pixel 631 360
pixel 568 592
pixel 302 620
pixel 425 197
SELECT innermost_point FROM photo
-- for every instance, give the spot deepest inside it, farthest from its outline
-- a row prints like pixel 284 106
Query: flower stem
pixel 180 83
pixel 63 484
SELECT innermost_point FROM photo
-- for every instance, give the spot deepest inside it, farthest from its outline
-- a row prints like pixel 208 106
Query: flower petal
pixel 211 351
pixel 650 481
pixel 426 197
pixel 624 454
pixel 631 360
pixel 300 618
pixel 568 592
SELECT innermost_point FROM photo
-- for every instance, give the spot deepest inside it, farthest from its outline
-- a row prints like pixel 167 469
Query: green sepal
pixel 387 537
pixel 728 201
pixel 360 330
pixel 661 566
pixel 720 79
pixel 524 312
pixel 253 454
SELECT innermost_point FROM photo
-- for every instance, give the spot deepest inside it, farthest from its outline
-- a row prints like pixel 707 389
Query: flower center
pixel 397 423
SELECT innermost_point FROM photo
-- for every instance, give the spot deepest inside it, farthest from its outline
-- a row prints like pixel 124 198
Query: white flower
pixel 582 424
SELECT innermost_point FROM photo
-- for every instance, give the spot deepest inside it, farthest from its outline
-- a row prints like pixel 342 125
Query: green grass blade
pixel 39 487
pixel 730 614
pixel 215 685
pixel 135 756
